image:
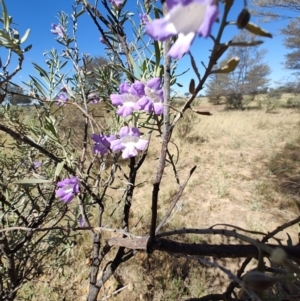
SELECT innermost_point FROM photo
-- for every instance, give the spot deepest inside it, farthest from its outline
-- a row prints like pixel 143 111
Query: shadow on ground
pixel 285 166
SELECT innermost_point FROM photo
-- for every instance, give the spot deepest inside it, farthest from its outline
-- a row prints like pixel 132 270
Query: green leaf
pixel 6 19
pixel 63 64
pixel 38 85
pixel 136 69
pixel 79 13
pixel 49 134
pixel 25 36
pixel 253 28
pixel 16 36
pixel 246 44
pixel 43 73
pixel 32 181
pixel 27 48
pixel 289 241
pixel 59 168
pixel 229 67
pixel 127 72
pixel 157 54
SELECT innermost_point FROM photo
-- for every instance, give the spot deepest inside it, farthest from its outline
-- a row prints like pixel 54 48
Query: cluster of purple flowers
pixel 58 30
pixel 144 18
pixel 186 19
pixel 139 96
pixel 129 142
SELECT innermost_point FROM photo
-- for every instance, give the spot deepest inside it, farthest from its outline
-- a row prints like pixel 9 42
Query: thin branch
pixel 166 135
pixel 178 196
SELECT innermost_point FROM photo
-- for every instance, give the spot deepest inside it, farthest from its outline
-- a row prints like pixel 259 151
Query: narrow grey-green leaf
pixel 25 36
pixel 253 28
pixel 32 181
pixel 157 54
pixel 229 67
pixel 27 48
pixel 43 73
pixel 6 21
pixel 79 13
pixel 59 168
pixel 246 44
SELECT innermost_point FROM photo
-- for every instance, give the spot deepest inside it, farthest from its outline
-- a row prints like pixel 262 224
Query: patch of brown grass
pixel 247 174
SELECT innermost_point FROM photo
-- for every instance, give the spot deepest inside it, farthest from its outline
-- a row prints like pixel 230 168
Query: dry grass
pixel 248 174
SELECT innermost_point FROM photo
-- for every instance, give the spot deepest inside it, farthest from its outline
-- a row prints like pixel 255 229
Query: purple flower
pixel 62 99
pixel 116 3
pixel 36 164
pixel 186 18
pixel 58 29
pixel 67 189
pixel 127 100
pixel 129 142
pixel 102 40
pixel 154 96
pixel 93 98
pixel 81 221
pixel 102 143
pixel 144 19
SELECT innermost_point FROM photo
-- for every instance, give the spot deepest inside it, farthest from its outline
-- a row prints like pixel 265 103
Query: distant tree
pixel 217 86
pixel 281 9
pixel 292 42
pixel 274 9
pixel 249 77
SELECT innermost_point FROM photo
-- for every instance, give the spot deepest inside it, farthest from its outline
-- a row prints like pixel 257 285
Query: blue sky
pixel 38 16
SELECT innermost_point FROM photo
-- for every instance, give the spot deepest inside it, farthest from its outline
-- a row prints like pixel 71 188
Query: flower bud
pixel 278 256
pixel 258 281
pixel 192 86
pixel 243 18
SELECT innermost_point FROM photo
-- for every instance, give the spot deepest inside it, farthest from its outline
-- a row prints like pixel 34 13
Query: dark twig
pixel 166 136
pixel 177 197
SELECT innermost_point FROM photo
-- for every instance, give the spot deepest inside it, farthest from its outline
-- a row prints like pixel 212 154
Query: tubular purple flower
pixel 62 99
pixel 36 164
pixel 81 221
pixel 93 98
pixel 67 189
pixel 129 142
pixel 102 143
pixel 144 19
pixel 186 18
pixel 58 30
pixel 127 100
pixel 102 40
pixel 154 96
pixel 116 3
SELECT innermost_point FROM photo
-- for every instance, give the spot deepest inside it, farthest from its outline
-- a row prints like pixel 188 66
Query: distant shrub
pixel 272 100
pixel 293 102
pixel 235 101
pixel 275 93
pixel 179 101
pixel 215 100
pixel 185 127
